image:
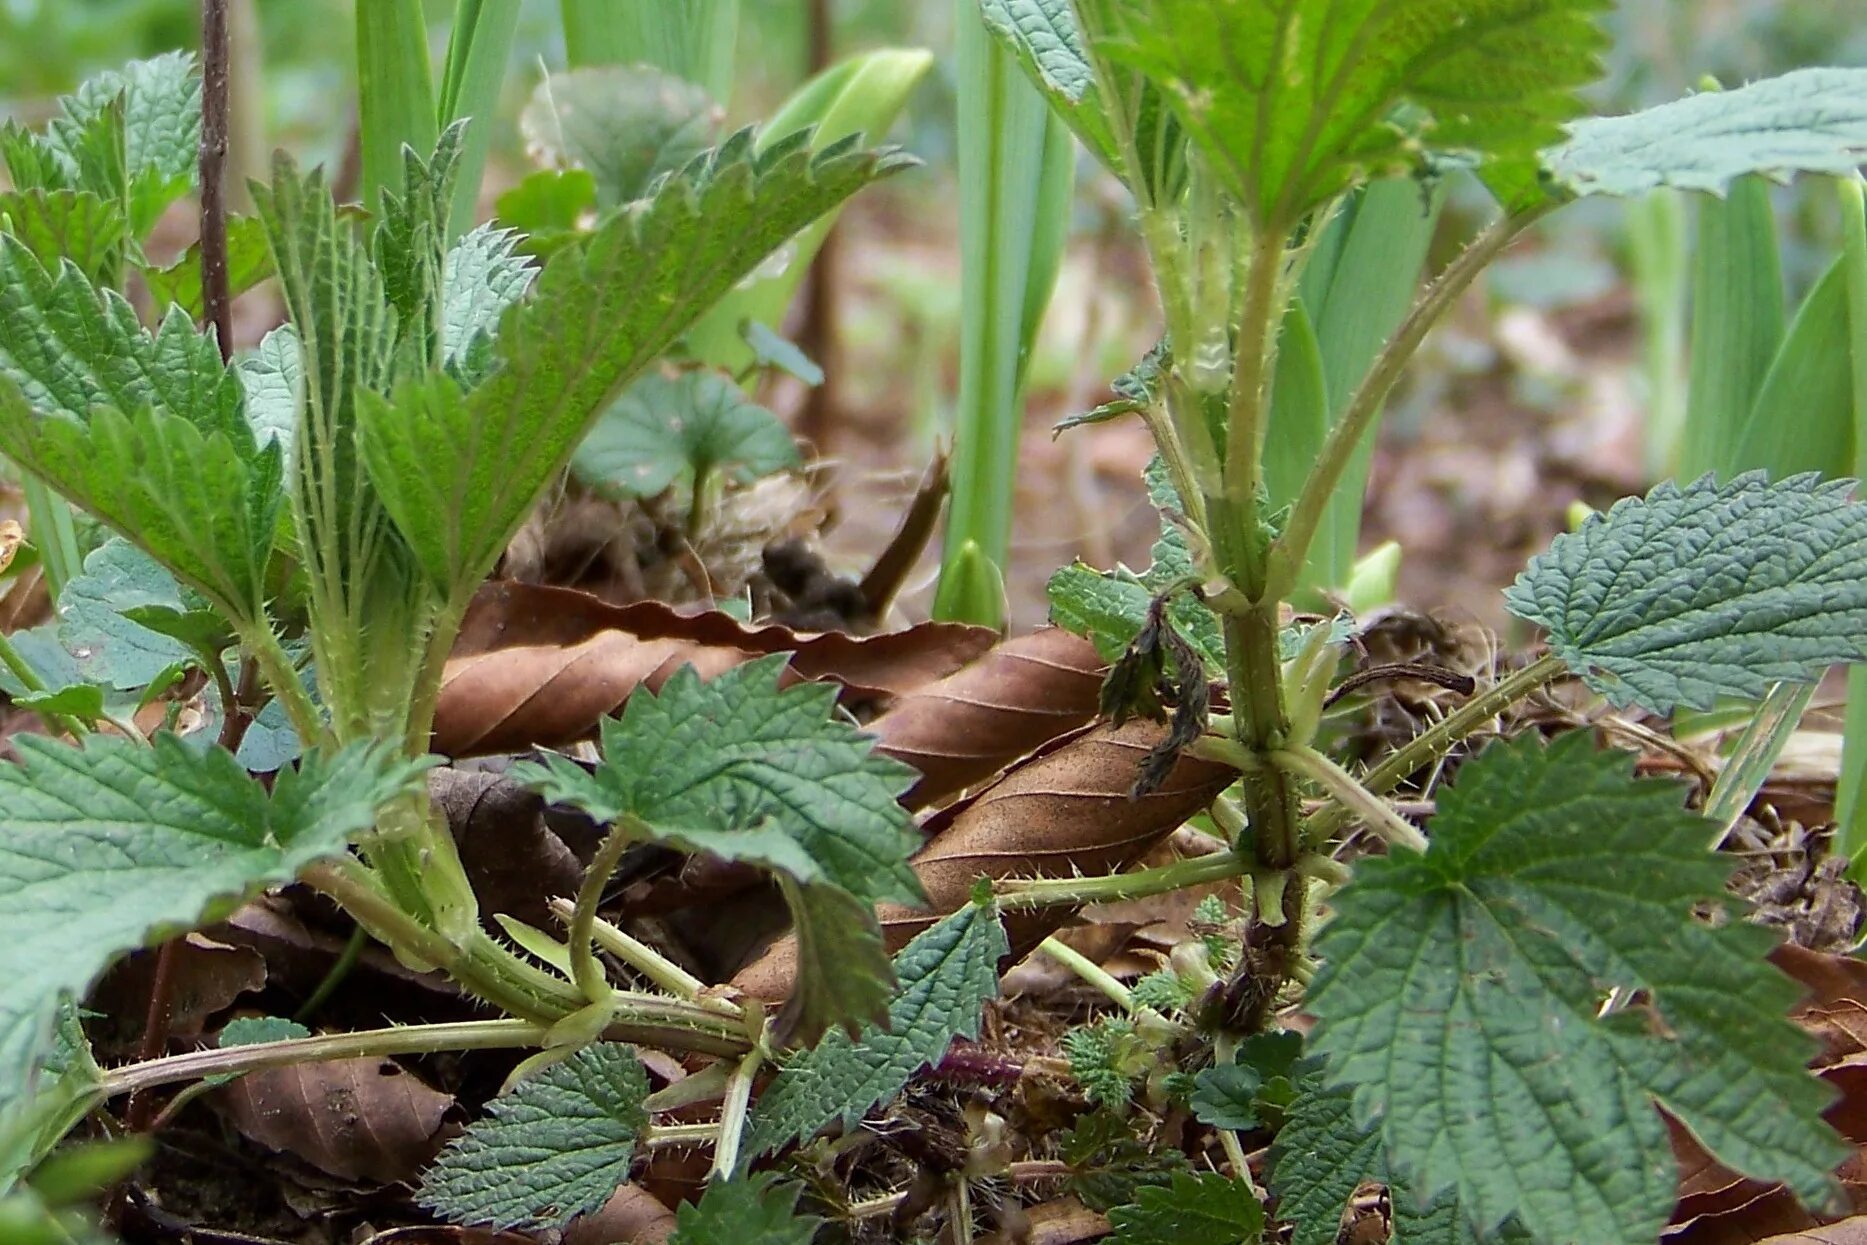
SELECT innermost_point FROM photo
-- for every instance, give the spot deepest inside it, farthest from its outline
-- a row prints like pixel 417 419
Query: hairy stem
pixel 1351 795
pixel 586 969
pixel 733 1115
pixel 1430 745
pixel 1291 549
pixel 645 960
pixel 400 1040
pixel 1089 971
pixel 216 301
pixel 1018 895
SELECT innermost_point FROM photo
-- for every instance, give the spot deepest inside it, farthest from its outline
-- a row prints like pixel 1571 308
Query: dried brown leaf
pixel 1847 1232
pixel 1062 813
pixel 205 977
pixel 12 536
pixel 632 1216
pixel 365 1119
pixel 1011 702
pixel 513 859
pixel 1836 1008
pixel 542 666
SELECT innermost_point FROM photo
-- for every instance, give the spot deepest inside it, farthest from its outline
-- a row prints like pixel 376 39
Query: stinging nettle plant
pixel 1501 1003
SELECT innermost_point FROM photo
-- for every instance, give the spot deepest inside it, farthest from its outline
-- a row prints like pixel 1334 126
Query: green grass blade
pixel 478 51
pixel 696 39
pixel 1803 419
pixel 1299 415
pixel 53 530
pixel 395 85
pixel 1850 809
pixel 859 95
pixel 1738 318
pixel 1016 175
pixel 1361 292
pixel 1657 258
pixel 1748 767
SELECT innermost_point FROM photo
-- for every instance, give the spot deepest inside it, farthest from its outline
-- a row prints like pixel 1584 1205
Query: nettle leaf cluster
pixel 1503 1002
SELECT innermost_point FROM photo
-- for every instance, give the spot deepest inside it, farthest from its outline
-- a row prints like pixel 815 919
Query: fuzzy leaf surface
pixel 743 768
pixel 481 276
pixel 1807 121
pixel 1321 1155
pixel 748 1209
pixel 1049 45
pixel 460 472
pixel 1461 991
pixel 249 261
pixel 946 974
pixel 77 225
pixel 843 978
pixel 1203 1209
pixel 111 843
pixel 664 431
pixel 1704 591
pixel 554 1147
pixel 161 111
pixel 1295 100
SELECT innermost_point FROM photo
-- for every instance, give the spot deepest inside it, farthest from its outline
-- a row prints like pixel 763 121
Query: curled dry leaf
pixel 1062 813
pixel 1009 703
pixel 513 859
pixel 205 977
pixel 541 666
pixel 365 1119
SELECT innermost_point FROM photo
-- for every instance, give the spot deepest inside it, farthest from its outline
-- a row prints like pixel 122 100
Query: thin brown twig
pixel 216 301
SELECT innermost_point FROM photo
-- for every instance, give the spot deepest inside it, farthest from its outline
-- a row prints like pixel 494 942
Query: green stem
pixel 647 961
pixel 49 518
pixel 400 1040
pixel 586 969
pixel 276 664
pixel 1430 745
pixel 733 1115
pixel 1351 795
pixel 1089 971
pixel 1256 357
pixel 1015 894
pixel 1292 547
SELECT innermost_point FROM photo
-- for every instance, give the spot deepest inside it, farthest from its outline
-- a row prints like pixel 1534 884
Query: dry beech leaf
pixel 541 666
pixel 1847 1232
pixel 205 977
pixel 632 1216
pixel 513 859
pixel 1836 1007
pixel 1009 703
pixel 12 536
pixel 1061 813
pixel 364 1119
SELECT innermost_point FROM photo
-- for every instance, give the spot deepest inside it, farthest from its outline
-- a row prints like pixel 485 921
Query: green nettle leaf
pixel 1109 608
pixel 459 472
pixel 76 225
pixel 200 504
pixel 1705 590
pixel 1321 1155
pixel 749 1209
pixel 1049 45
pixel 551 204
pixel 1809 121
pixel 481 276
pixel 1462 994
pixel 249 261
pixel 946 974
pixel 1203 1209
pixel 843 978
pixel 112 843
pixel 555 1147
pixel 161 109
pixel 683 429
pixel 1254 1091
pixel 142 429
pixel 745 769
pixel 252 1031
pixel 1443 1221
pixel 626 125
pixel 111 649
pixel 1294 101
pixel 272 378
